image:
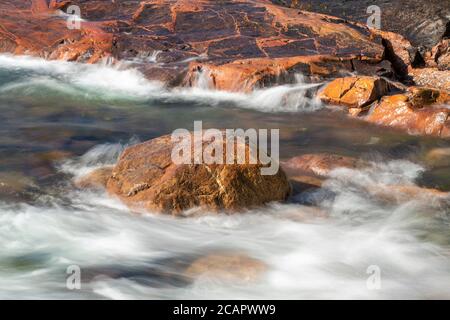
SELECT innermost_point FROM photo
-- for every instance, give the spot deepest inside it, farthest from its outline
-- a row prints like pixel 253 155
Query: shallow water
pixel 60 120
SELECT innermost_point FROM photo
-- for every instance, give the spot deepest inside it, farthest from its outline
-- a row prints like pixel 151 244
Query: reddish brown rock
pixel 431 77
pixel 404 193
pixel 319 164
pixel 227 267
pixel 145 177
pixel 243 43
pixel 354 92
pixel 438 157
pixel 310 170
pixel 439 56
pixel 400 52
pixel 404 112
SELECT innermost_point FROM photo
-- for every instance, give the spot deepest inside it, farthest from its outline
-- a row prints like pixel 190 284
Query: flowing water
pixel 60 120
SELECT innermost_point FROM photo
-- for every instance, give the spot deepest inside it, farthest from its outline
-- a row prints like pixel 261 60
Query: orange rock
pixel 354 92
pixel 319 164
pixel 439 56
pixel 399 111
pixel 399 51
pixel 145 177
pixel 404 193
pixel 228 267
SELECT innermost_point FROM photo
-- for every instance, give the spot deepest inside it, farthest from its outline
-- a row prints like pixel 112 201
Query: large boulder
pixel 243 44
pixel 145 177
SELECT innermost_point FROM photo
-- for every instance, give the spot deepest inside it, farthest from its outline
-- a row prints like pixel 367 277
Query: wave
pixel 106 82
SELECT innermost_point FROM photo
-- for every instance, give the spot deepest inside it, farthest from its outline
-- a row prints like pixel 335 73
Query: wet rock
pixel 308 172
pixel 145 177
pixel 256 43
pixel 305 213
pixel 227 267
pixel 409 113
pixel 354 92
pixel 54 155
pixel 15 183
pixel 319 164
pixel 97 179
pixel 438 157
pixel 403 193
pixel 302 183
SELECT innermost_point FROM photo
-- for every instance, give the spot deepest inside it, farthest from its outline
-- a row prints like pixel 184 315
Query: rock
pixel 403 111
pixel 438 157
pixel 431 77
pixel 227 267
pixel 421 22
pixel 302 183
pixel 14 183
pixel 309 171
pixel 420 96
pixel 403 193
pixel 439 56
pixel 54 155
pixel 400 52
pixel 146 177
pixel 97 179
pixel 319 164
pixel 354 92
pixel 254 44
pixel 302 213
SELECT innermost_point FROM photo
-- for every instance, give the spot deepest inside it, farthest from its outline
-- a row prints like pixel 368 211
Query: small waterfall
pixel 203 79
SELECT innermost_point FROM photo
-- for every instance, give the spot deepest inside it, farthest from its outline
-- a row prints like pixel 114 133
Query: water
pixel 61 120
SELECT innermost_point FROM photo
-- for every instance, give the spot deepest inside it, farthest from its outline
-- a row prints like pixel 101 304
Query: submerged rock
pixel 227 267
pixel 319 164
pixel 439 56
pixel 145 177
pixel 396 194
pixel 438 157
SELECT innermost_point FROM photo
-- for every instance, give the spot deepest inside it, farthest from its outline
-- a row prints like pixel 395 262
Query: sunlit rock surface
pixel 416 115
pixel 354 92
